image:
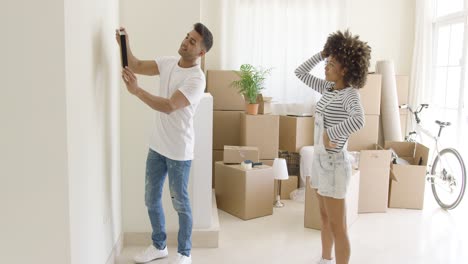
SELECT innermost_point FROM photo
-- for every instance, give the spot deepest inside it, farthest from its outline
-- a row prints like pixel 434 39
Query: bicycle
pixel 447 174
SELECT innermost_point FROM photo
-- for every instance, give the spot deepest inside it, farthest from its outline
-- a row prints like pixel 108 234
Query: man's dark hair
pixel 206 35
pixel 352 53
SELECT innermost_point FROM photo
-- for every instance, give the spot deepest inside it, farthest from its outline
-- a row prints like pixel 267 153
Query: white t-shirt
pixel 172 134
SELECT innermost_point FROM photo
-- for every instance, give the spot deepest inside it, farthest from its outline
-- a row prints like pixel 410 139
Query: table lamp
pixel 280 172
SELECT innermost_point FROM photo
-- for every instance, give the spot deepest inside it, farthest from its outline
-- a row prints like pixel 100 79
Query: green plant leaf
pixel 251 81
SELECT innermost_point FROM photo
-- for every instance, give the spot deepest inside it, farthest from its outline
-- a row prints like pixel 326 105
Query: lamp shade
pixel 280 170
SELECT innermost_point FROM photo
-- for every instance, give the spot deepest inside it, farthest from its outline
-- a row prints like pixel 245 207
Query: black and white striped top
pixel 344 115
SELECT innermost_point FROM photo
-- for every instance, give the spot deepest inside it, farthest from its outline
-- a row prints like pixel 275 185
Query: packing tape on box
pixel 389 110
pixel 246 166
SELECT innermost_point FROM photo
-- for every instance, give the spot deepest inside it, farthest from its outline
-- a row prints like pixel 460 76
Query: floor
pixel 399 236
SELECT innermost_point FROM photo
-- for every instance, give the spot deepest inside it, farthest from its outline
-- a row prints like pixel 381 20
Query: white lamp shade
pixel 280 170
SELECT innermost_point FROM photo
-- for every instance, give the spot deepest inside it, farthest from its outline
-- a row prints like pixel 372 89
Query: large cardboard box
pixel 287 186
pixel 408 181
pixel 217 156
pixel 244 193
pixel 225 97
pixel 370 94
pixel 261 131
pixel 374 166
pixel 367 137
pixel 226 128
pixel 296 132
pixel 312 209
pixel 238 154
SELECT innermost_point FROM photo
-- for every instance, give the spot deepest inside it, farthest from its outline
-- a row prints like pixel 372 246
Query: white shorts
pixel 331 173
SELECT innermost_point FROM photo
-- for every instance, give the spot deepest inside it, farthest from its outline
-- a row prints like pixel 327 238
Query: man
pixel 171 146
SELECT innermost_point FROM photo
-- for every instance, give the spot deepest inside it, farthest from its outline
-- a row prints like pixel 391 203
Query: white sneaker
pixel 181 259
pixel 150 253
pixel 326 261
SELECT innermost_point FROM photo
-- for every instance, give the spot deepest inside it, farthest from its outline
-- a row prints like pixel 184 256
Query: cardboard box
pixel 261 131
pixel 237 154
pixel 296 132
pixel 244 193
pixel 312 209
pixel 407 183
pixel 226 128
pixel 267 162
pixel 374 166
pixel 287 186
pixel 367 137
pixel 264 104
pixel 225 97
pixel 217 156
pixel 370 94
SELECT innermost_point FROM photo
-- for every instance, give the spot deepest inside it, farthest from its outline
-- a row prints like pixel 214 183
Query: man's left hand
pixel 130 80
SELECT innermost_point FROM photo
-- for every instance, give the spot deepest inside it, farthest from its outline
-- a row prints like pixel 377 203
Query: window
pixel 280 34
pixel 449 65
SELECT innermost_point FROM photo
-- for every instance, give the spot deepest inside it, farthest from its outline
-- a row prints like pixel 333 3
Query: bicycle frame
pixel 442 179
pixel 419 129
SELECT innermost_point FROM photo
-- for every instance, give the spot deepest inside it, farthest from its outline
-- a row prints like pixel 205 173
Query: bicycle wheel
pixel 448 178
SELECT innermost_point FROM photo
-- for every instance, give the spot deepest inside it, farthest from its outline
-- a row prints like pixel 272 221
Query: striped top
pixel 344 115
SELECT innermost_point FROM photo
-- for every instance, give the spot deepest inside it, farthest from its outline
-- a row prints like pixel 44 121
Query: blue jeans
pixel 157 167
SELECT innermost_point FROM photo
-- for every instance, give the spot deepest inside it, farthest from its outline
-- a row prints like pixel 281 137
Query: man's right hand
pixel 117 35
pixel 144 67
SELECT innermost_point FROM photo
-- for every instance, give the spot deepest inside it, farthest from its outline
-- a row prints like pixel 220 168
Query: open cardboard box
pixel 407 183
pixel 374 166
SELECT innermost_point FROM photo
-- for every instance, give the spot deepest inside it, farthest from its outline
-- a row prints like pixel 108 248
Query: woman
pixel 338 114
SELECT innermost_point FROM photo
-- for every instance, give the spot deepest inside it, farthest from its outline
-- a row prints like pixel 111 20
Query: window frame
pixel 448 20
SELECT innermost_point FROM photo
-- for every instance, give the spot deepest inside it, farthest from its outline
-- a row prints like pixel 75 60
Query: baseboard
pixel 201 238
pixel 116 250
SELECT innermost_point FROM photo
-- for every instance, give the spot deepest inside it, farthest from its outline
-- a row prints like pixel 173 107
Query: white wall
pixel 156 28
pixel 387 25
pixel 34 222
pixel 92 85
pixel 59 163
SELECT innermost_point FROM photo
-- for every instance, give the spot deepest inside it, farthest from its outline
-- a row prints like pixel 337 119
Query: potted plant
pixel 250 84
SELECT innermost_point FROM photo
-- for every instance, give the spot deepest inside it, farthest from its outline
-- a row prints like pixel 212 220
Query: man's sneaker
pixel 326 261
pixel 181 259
pixel 150 253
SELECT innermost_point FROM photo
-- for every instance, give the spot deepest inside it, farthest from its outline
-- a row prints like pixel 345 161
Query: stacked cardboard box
pixel 295 132
pixel 261 131
pixel 238 154
pixel 368 136
pixel 244 193
pixel 227 106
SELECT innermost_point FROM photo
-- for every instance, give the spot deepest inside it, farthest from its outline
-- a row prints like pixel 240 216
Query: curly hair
pixel 352 53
